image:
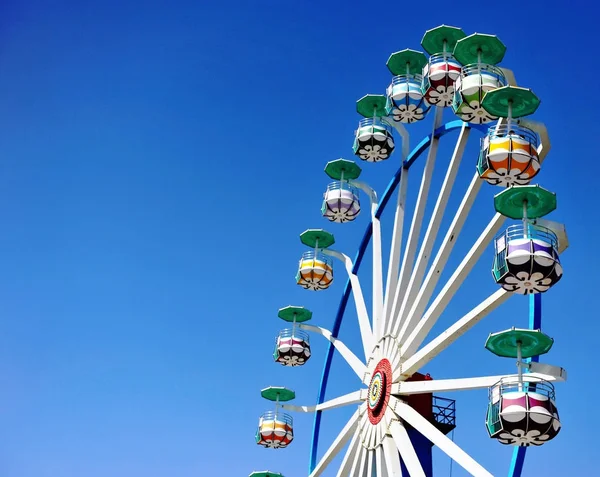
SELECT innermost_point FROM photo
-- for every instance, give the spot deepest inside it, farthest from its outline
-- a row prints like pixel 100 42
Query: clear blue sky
pixel 157 162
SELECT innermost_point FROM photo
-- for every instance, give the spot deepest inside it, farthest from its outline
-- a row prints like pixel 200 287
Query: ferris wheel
pixel 398 416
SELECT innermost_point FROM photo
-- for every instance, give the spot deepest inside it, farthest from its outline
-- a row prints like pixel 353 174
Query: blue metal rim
pixel 535 317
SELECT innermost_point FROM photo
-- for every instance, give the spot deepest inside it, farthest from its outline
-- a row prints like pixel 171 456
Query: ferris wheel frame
pixel 535 300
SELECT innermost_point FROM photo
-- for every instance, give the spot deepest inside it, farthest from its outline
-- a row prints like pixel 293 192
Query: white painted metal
pixel 415 226
pixel 370 461
pixel 395 249
pixel 446 338
pixel 429 431
pixel 396 245
pixel 560 373
pixel 410 345
pixel 377 261
pixel 355 397
pixel 360 462
pixel 392 458
pixel 361 308
pixel 466 384
pixel 559 230
pixel 422 261
pixel 350 457
pixel 336 445
pixel 406 449
pixel 356 364
pixel 441 258
pixel 380 466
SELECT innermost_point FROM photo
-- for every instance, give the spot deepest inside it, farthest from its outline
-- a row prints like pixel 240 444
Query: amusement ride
pixel 398 419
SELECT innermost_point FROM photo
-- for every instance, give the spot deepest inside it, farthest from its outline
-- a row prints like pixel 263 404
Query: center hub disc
pixel 379 391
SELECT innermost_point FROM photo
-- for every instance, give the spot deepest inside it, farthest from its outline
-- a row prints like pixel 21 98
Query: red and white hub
pixel 379 391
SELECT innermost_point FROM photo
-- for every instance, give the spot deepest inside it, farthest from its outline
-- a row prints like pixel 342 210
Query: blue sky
pixel 157 162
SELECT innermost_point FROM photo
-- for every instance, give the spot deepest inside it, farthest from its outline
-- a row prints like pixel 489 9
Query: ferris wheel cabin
pixel 276 428
pixel 442 69
pixel 405 100
pixel 292 347
pixel 479 53
pixel 522 410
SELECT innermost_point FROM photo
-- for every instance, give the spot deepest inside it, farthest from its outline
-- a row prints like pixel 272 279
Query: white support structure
pixel 350 457
pixel 404 446
pixel 359 466
pixel 418 334
pixel 355 397
pixel 356 364
pixel 364 324
pixel 446 445
pixel 380 463
pixel 435 272
pixel 392 457
pixel 395 250
pixel 377 297
pixel 465 384
pixel 446 338
pixel 415 226
pixel 337 445
pixel 371 463
pixel 422 261
pixel 396 245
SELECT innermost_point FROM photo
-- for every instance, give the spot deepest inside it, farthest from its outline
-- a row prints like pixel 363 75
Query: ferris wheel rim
pixel 416 152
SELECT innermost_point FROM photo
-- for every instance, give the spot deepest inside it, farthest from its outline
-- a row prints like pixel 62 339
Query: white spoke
pixel 435 272
pixel 351 456
pixel 429 431
pixel 392 457
pixel 337 445
pixel 415 227
pixel 417 336
pixel 396 248
pixel 370 462
pixel 359 466
pixel 355 397
pixel 376 245
pixel 463 384
pixel 356 364
pixel 377 279
pixel 380 463
pixel 445 339
pixel 431 234
pixel 405 447
pixel 359 301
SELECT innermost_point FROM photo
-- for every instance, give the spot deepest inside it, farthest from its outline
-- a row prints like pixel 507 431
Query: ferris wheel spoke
pixel 396 248
pixel 371 463
pixel 376 245
pixel 446 338
pixel 377 278
pixel 418 334
pixel 438 438
pixel 413 314
pixel 464 384
pixel 359 466
pixel 359 301
pixel 351 457
pixel 355 397
pixel 391 457
pixel 415 226
pixel 422 261
pixel 380 463
pixel 356 364
pixel 337 445
pixel 405 448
